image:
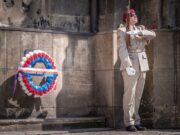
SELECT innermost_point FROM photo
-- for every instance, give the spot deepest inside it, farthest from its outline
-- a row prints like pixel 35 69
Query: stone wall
pixel 106 15
pixel 166 78
pixel 151 18
pixel 110 14
pixel 153 13
pixel 158 13
pixel 74 57
pixel 46 14
pixel 71 15
pixel 81 15
pixel 104 74
pixel 76 96
pixel 160 105
pixel 89 81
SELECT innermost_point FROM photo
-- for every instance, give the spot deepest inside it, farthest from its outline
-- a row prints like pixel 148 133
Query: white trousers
pixel 133 89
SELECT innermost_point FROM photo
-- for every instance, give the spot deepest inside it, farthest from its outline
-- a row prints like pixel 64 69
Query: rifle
pixel 128 41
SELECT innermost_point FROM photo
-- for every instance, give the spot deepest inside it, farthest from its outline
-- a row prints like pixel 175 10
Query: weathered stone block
pixel 2 78
pixel 2 90
pixel 45 40
pixel 75 92
pixel 72 53
pixel 71 23
pixel 28 127
pixel 2 50
pixel 118 117
pixel 108 112
pixel 8 128
pixel 103 51
pixel 78 77
pixel 48 50
pixel 118 88
pixel 76 111
pixel 106 15
pixel 51 112
pixel 163 87
pixel 104 88
pixel 49 100
pixel 71 17
pixel 163 50
pixel 10 13
pixel 70 7
pixel 153 20
pixel 164 116
pixel 147 101
pixel 60 44
pixel 29 40
pixel 13 49
pixel 74 95
pixel 8 83
pixel 106 22
pixel 78 55
pixel 177 92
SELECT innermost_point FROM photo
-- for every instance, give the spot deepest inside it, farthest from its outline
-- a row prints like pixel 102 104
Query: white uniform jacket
pixel 135 54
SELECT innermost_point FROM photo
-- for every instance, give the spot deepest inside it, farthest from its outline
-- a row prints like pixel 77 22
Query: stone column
pixel 94 16
pixel 108 80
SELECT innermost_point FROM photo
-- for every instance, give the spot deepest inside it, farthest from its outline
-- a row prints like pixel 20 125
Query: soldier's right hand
pixel 134 32
pixel 130 71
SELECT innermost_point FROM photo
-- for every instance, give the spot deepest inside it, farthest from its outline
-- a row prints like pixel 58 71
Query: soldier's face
pixel 133 19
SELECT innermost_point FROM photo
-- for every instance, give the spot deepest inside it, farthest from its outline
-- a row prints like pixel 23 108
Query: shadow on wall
pixel 118 95
pixel 64 99
pixel 20 105
pixel 62 96
pixel 75 96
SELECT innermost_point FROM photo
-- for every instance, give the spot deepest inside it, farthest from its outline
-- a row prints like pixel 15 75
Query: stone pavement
pixel 94 132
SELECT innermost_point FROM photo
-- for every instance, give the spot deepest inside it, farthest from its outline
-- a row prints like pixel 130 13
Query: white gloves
pixel 134 32
pixel 130 71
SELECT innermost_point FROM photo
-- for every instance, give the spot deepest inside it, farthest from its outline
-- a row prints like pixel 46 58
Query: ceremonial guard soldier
pixel 132 40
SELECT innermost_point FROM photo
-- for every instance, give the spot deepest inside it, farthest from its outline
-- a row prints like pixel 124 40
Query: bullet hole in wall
pixel 9 3
pixel 26 7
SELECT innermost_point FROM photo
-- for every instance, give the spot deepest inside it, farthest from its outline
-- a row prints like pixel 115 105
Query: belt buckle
pixel 135 51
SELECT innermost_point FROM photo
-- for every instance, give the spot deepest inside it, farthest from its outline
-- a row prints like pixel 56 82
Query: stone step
pixel 51 124
pixel 62 132
pixel 94 131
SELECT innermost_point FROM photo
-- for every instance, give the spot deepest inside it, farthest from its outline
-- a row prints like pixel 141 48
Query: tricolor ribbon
pixel 34 72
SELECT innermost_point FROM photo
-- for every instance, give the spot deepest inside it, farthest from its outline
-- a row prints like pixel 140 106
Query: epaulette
pixel 122 27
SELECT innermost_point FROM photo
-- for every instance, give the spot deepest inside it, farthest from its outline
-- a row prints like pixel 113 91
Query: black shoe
pixel 42 115
pixel 131 128
pixel 140 128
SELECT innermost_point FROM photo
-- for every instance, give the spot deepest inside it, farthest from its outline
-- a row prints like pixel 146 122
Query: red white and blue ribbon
pixel 27 70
